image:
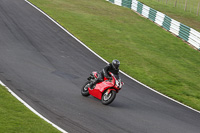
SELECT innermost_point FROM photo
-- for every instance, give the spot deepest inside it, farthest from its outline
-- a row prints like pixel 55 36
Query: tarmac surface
pixel 46 67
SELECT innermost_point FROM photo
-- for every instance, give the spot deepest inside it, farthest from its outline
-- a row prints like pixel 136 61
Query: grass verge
pixel 16 118
pixel 147 52
pixel 185 17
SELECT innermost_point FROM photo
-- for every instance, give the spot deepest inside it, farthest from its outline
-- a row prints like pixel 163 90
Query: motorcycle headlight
pixel 117 83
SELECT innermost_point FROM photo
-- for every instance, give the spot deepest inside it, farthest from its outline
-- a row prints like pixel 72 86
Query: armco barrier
pixel 186 33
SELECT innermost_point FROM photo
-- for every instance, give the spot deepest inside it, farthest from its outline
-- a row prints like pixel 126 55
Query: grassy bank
pixel 147 52
pixel 185 17
pixel 16 118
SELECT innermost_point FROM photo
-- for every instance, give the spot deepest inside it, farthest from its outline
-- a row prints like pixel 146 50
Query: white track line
pixel 33 110
pixel 107 61
pixel 60 129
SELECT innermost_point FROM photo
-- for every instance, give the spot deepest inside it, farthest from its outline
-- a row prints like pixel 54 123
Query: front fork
pixel 109 90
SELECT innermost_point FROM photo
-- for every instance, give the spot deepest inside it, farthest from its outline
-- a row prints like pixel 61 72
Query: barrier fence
pixel 191 6
pixel 186 33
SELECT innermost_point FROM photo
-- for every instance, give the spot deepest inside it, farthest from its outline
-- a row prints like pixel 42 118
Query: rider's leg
pixel 99 79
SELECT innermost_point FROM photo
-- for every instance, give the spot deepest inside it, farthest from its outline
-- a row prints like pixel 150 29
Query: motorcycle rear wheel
pixel 108 98
pixel 84 89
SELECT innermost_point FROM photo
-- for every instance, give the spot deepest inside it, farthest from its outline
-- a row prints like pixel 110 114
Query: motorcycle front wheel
pixel 84 89
pixel 108 98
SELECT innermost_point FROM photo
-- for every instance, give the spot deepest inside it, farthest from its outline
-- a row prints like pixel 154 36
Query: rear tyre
pixel 84 89
pixel 108 98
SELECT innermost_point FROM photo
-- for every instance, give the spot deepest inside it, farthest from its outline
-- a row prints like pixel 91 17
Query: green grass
pixel 16 118
pixel 188 17
pixel 146 51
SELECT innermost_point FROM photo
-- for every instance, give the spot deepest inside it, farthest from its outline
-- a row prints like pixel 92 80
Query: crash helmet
pixel 115 64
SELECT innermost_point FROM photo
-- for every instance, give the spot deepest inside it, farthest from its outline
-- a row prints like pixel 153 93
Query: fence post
pixel 185 5
pixel 175 3
pixel 198 9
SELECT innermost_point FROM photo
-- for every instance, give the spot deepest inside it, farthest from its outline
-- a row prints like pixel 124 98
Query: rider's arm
pixel 105 71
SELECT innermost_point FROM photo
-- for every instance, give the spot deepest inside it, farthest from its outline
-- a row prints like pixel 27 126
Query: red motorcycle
pixel 105 91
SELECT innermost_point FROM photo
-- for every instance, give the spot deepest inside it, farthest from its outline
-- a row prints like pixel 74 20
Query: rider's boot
pixel 92 84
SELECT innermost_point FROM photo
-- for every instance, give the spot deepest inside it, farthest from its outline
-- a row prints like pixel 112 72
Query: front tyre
pixel 84 89
pixel 108 98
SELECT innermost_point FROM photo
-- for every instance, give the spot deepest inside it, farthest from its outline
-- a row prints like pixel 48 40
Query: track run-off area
pixel 46 67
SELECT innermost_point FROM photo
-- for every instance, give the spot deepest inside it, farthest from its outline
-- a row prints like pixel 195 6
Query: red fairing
pixel 95 74
pixel 105 90
pixel 101 87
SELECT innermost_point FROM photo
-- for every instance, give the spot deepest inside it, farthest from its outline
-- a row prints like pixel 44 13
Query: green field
pixel 191 6
pixel 16 118
pixel 188 17
pixel 184 5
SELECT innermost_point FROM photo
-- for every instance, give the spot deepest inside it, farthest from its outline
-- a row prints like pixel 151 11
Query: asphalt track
pixel 46 67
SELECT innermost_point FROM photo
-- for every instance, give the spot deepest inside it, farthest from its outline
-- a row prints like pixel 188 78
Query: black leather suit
pixel 105 73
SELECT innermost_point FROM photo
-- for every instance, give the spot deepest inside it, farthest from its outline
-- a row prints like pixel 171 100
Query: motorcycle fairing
pixel 100 88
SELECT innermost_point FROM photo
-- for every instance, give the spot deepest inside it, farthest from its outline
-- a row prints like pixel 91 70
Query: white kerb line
pixel 33 110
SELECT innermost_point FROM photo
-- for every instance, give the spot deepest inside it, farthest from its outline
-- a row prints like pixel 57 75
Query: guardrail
pixel 186 33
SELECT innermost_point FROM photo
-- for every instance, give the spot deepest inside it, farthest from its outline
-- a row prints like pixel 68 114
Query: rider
pixel 112 67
